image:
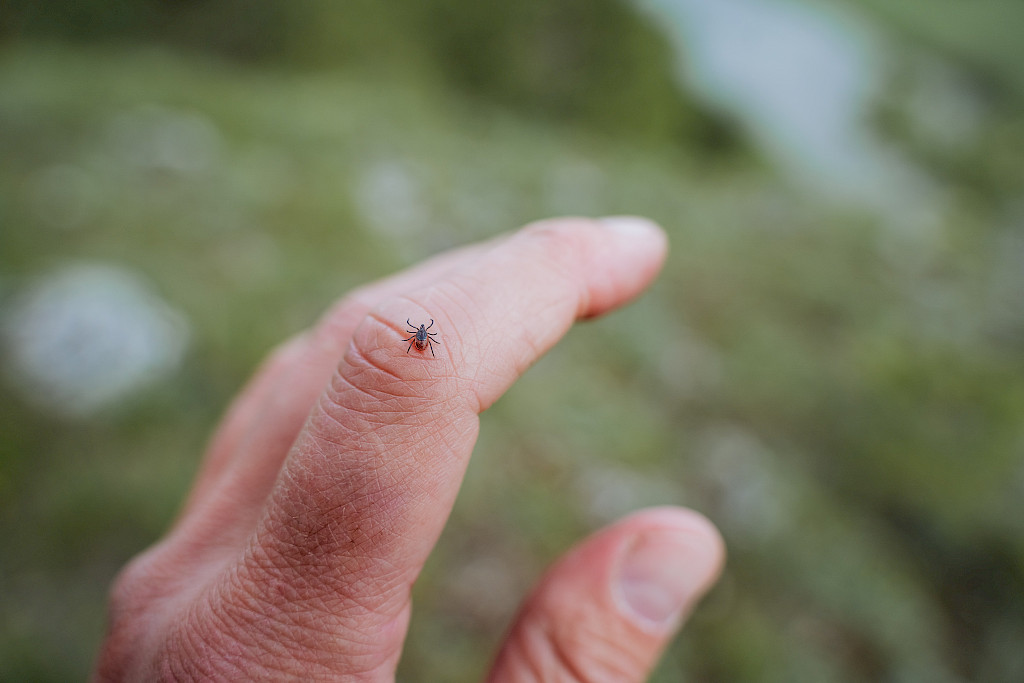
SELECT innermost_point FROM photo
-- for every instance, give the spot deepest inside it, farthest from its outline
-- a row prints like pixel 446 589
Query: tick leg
pixel 408 338
pixel 431 323
pixel 410 347
pixel 408 323
pixel 431 348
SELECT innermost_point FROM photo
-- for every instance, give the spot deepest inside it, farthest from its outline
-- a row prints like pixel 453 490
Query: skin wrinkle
pixel 394 402
pixel 319 613
pixel 326 621
pixel 562 654
pixel 334 405
pixel 376 316
pixel 534 663
pixel 236 604
pixel 303 616
pixel 354 348
pixel 426 412
pixel 371 399
pixel 546 644
pixel 459 333
pixel 355 504
pixel 138 586
pixel 278 638
pixel 537 664
pixel 207 654
pixel 387 323
pixel 358 360
pixel 461 299
pixel 373 449
pixel 372 442
pixel 357 501
pixel 617 649
pixel 607 657
pixel 464 303
pixel 547 657
pixel 346 378
pixel 322 435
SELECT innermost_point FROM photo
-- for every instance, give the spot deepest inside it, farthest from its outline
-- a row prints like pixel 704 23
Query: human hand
pixel 316 507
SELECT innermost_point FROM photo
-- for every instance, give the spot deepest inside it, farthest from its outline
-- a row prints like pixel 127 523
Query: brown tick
pixel 420 337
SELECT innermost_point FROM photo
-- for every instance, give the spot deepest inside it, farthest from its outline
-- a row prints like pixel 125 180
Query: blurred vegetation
pixel 594 63
pixel 843 395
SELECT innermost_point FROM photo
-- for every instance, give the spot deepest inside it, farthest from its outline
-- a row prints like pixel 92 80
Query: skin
pixel 332 475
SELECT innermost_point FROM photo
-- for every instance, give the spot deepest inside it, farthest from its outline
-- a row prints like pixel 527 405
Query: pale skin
pixel 333 473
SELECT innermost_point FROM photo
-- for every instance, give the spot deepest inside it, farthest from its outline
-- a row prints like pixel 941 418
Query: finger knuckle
pixel 578 650
pixel 378 380
pixel 136 587
pixel 132 606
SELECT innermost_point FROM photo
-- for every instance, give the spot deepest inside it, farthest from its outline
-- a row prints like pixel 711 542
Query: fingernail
pixel 631 226
pixel 663 573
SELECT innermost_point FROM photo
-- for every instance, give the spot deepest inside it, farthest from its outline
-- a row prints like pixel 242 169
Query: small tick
pixel 420 337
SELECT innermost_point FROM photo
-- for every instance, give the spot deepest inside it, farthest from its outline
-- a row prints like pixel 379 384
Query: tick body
pixel 420 337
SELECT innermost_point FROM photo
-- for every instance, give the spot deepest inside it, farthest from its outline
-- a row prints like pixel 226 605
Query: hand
pixel 316 507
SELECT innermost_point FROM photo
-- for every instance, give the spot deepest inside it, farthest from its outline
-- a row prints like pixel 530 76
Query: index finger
pixel 371 479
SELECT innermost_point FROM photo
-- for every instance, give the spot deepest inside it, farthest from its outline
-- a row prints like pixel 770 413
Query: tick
pixel 420 337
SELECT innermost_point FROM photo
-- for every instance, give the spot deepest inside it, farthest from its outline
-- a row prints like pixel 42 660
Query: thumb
pixel 607 609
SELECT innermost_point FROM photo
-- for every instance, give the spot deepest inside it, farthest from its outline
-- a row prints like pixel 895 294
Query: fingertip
pixel 616 257
pixel 636 230
pixel 684 519
pixel 608 608
pixel 671 557
pixel 630 236
pixel 634 250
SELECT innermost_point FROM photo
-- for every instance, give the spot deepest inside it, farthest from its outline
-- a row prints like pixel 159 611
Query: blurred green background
pixel 831 366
